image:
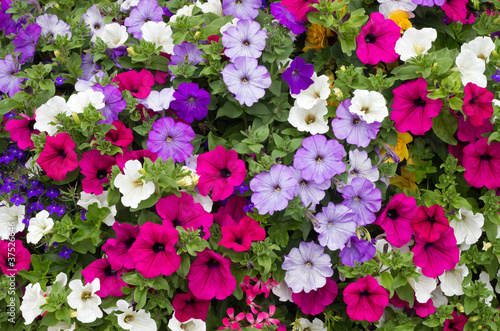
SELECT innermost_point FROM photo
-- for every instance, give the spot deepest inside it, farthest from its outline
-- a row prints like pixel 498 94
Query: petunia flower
pixel 211 6
pixel 190 102
pixel 396 218
pixel 102 201
pixel 369 105
pixel 110 280
pixel 85 300
pixel 9 83
pixel 131 186
pixel 244 39
pixel 309 120
pixel 39 226
pixel 481 46
pixel 357 250
pixel 93 20
pixel 477 104
pixel 139 155
pixel 318 90
pixel 422 309
pixel 242 9
pixel 415 42
pixel 170 139
pixel 117 249
pixel 471 68
pixel 315 302
pixel 96 168
pixel 451 280
pixel 26 40
pixel 467 226
pixel 287 18
pixel 113 102
pixel 189 325
pixel 364 199
pixel 365 299
pixel 146 11
pixel 11 220
pixel 52 27
pixel 20 131
pixel 138 83
pixel 187 306
pixel 32 301
pixel 299 8
pixel 316 325
pixel 361 167
pixel 10 265
pixel 309 191
pixel 186 10
pixel 429 3
pixel 298 74
pixel 232 212
pixel 430 222
pixel 187 54
pixel 456 323
pixel 240 237
pixel 58 156
pixel 423 286
pixel 121 136
pixel 210 276
pixel 336 226
pixel 307 267
pixel 133 320
pixel 114 35
pixel 160 34
pixel 159 100
pixel 482 164
pixel 388 6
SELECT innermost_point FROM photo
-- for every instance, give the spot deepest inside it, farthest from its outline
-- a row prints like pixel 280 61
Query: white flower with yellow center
pixel 39 226
pixel 131 186
pixel 467 226
pixel 415 42
pixel 32 300
pixel 481 46
pixel 134 320
pixel 45 119
pixel 11 220
pixel 471 68
pixel 369 105
pixel 309 120
pixel 160 34
pixel 114 35
pixel 79 101
pixel 189 325
pixel 85 301
pixel 319 90
pixel 211 6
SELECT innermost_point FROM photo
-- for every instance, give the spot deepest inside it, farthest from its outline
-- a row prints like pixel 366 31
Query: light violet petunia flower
pixel 242 9
pixel 361 167
pixel 133 189
pixel 337 225
pixel 318 90
pixel 245 39
pixel 364 199
pixel 160 34
pixel 309 120
pixel 481 46
pixel 9 83
pixel 307 267
pixel 472 68
pixel 11 220
pixel 94 20
pixel 415 42
pixel 311 192
pixel 39 225
pixel 53 27
pixel 85 300
pixel 146 11
pixel 369 105
pixel 468 226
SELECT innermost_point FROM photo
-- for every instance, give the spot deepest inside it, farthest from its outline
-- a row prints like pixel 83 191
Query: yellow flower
pixel 400 17
pixel 317 37
pixel 401 149
pixel 406 181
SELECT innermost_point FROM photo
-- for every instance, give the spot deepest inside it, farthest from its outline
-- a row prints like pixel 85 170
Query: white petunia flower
pixel 472 68
pixel 32 300
pixel 183 11
pixel 114 35
pixel 481 46
pixel 83 85
pixel 128 5
pixel 316 325
pixel 387 6
pixel 369 105
pixel 468 226
pixel 438 298
pixel 283 292
pixel 46 113
pixel 160 34
pixel 62 326
pixel 134 320
pixel 40 225
pixel 159 100
pixel 94 20
pixel 11 220
pixel 205 201
pixel 228 25
pixel 309 120
pixel 211 6
pixel 415 42
pixel 189 325
pixel 77 102
pixel 451 280
pixel 85 301
pixel 485 278
pixel 133 189
pixel 361 167
pixel 87 199
pixel 423 287
pixel 318 90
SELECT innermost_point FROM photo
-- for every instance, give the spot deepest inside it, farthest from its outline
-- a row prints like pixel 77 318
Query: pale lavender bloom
pixel 170 139
pixel 83 85
pixel 186 53
pixel 246 79
pixel 351 127
pixel 88 66
pixel 310 191
pixel 357 250
pixel 146 10
pixel 9 83
pixel 159 100
pixel 94 20
pixel 244 39
pixel 364 199
pixel 53 27
pixel 337 225
pixel 26 41
pixel 307 267
pixel 319 159
pixel 113 102
pixel 429 3
pixel 272 190
pixel 361 166
pixel 242 9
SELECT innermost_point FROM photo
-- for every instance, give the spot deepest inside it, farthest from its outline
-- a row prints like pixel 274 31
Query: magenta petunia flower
pixel 457 323
pixel 430 222
pixel 117 249
pixel 470 133
pixel 58 156
pixel 421 309
pixel 110 279
pixel 456 10
pixel 188 306
pixel 396 219
pixel 299 8
pixel 21 131
pixel 232 212
pixel 154 251
pixel 121 159
pixel 210 276
pixel 220 171
pixel 436 257
pixel 13 260
pixel 96 168
pixel 240 237
pixel 170 139
pixel 482 164
pixel 121 136
pixel 478 104
pixel 138 83
pixel 377 40
pixel 183 211
pixel 412 109
pixel 315 302
pixel 365 299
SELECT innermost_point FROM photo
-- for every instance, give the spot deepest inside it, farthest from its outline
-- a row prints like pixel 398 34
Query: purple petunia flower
pixel 307 267
pixel 190 102
pixel 242 9
pixel 53 27
pixel 113 102
pixel 246 79
pixel 429 3
pixel 364 199
pixel 298 75
pixel 146 10
pixel 244 39
pixel 88 66
pixel 272 190
pixel 287 18
pixel 94 20
pixel 170 139
pixel 337 225
pixel 186 53
pixel 9 83
pixel 319 159
pixel 310 191
pixel 358 250
pixel 26 40
pixel 351 127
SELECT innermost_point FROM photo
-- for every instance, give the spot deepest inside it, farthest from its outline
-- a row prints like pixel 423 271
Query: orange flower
pixel 316 37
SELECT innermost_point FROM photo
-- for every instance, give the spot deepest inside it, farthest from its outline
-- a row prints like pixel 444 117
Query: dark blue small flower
pixel 59 80
pixel 17 199
pixel 34 191
pixel 496 77
pixel 242 188
pixel 32 207
pixel 65 252
pixel 248 207
pixel 9 115
pixel 52 193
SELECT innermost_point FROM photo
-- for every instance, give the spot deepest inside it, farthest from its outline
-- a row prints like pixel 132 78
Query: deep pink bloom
pixel 154 251
pixel 121 159
pixel 183 211
pixel 299 8
pixel 21 130
pixel 221 171
pixel 365 299
pixel 455 324
pixel 314 302
pixel 478 104
pixel 188 306
pixel 422 309
pixel 58 156
pixel 232 212
pixel 412 109
pixel 240 237
pixel 96 168
pixel 121 136
pixel 117 249
pixel 430 222
pixel 111 280
pixel 18 259
pixel 377 40
pixel 467 132
pixel 458 151
pixel 396 219
pixel 436 257
pixel 210 276
pixel 456 10
pixel 482 164
pixel 138 83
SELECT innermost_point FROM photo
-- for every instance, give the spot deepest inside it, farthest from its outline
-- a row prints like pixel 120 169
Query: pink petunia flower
pixel 421 309
pixel 21 131
pixel 478 104
pixel 430 222
pixel 436 257
pixel 469 133
pixel 138 83
pixel 121 159
pixel 377 40
pixel 365 299
pixel 117 249
pixel 299 8
pixel 110 279
pixel 396 219
pixel 96 168
pixel 232 212
pixel 482 164
pixel 154 251
pixel 456 10
pixel 455 324
pixel 412 109
pixel 220 171
pixel 13 257
pixel 240 237
pixel 121 136
pixel 183 211
pixel 188 306
pixel 315 302
pixel 58 156
pixel 210 276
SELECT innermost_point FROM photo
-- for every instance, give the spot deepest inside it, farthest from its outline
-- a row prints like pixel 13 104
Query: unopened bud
pixel 76 118
pixel 197 35
pixel 486 245
pixel 473 319
pixel 131 51
pixel 342 68
pixel 74 313
pixel 57 54
pixel 313 219
pixel 338 93
pixel 460 307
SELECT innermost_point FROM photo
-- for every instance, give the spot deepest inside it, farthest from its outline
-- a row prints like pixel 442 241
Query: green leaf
pixel 140 296
pixel 265 261
pixel 387 282
pixel 50 319
pixel 214 141
pixel 159 63
pixel 185 265
pixel 406 72
pixel 229 110
pixel 444 126
pixel 406 293
pixel 470 304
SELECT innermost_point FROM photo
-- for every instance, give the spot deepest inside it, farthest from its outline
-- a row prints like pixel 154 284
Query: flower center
pixel 309 264
pixel 176 222
pixel 354 172
pixel 110 272
pixel 277 188
pixel 310 118
pixel 485 157
pixel 238 2
pixel 129 318
pixel 365 109
pixel 158 247
pixel 97 26
pixel 427 246
pixel 303 183
pixel 31 125
pixel 169 138
pixel 418 49
pixel 431 219
pixel 365 293
pixel 225 173
pixel 319 159
pixel 419 102
pixel 101 173
pixel 356 121
pixel 246 43
pixel 212 264
pixel 244 79
pixel 392 214
pixel 370 38
pixel 129 242
pixel 86 295
pixel 238 241
pixel 61 153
